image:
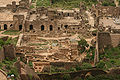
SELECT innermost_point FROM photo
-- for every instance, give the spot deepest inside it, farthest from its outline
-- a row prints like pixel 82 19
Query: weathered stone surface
pixel 26 72
pixel 9 51
pixel 2 54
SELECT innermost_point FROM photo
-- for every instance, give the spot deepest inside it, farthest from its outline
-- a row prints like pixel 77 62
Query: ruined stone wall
pixel 18 23
pixel 105 39
pixel 9 51
pixel 1 54
pixel 24 49
pixel 73 75
pixel 115 39
pixel 41 26
pixel 107 10
pixel 6 25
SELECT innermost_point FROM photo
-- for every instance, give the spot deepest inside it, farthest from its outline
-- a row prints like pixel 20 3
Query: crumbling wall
pixel 115 39
pixel 9 51
pixel 103 40
pixel 8 24
pixel 73 75
pixel 1 54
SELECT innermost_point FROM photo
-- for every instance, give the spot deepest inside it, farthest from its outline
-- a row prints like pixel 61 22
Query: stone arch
pixel 11 25
pixel 51 27
pixel 66 26
pixel 20 27
pixel 31 27
pixel 42 27
pixel 5 26
pixel 68 14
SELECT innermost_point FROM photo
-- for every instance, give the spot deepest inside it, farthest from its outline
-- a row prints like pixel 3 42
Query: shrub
pixel 32 6
pixel 30 64
pixel 82 43
pixel 101 64
pixel 72 69
pixel 66 77
pixel 0 47
pixel 14 71
pixel 1 42
pixel 86 66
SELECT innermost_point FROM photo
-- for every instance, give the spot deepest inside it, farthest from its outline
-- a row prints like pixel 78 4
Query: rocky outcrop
pixel 26 73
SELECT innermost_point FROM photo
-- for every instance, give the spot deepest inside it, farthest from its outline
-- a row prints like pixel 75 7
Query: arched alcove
pixel 5 26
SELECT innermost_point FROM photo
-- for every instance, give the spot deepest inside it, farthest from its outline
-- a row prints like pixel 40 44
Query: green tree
pixel 82 44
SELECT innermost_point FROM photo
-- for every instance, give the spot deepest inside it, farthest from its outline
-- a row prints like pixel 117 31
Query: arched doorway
pixel 31 27
pixel 51 27
pixel 0 26
pixel 42 28
pixel 66 26
pixel 5 26
pixel 58 28
pixel 20 27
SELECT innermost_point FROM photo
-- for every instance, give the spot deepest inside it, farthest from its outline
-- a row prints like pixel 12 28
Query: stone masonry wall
pixel 1 54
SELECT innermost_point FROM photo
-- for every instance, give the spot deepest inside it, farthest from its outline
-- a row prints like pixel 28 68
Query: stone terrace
pixel 3 3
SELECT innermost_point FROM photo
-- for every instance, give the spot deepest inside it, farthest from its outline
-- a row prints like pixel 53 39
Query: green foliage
pixel 1 42
pixel 9 41
pixel 30 64
pixel 8 66
pixel 11 32
pixel 84 66
pixel 30 76
pixel 32 6
pixel 107 3
pixel 112 53
pixel 104 77
pixel 89 52
pixel 14 71
pixel 83 44
pixel 0 47
pixel 101 64
pixel 66 77
pixel 44 3
pixel 72 69
pixel 66 4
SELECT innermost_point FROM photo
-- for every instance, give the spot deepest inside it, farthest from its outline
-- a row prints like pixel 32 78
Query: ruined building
pixel 18 16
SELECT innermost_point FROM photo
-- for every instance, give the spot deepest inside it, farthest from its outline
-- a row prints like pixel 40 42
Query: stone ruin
pixel 43 21
pixel 46 32
pixel 106 18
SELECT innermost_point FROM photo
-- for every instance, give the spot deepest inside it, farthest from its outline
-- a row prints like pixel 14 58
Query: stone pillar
pixel 96 57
